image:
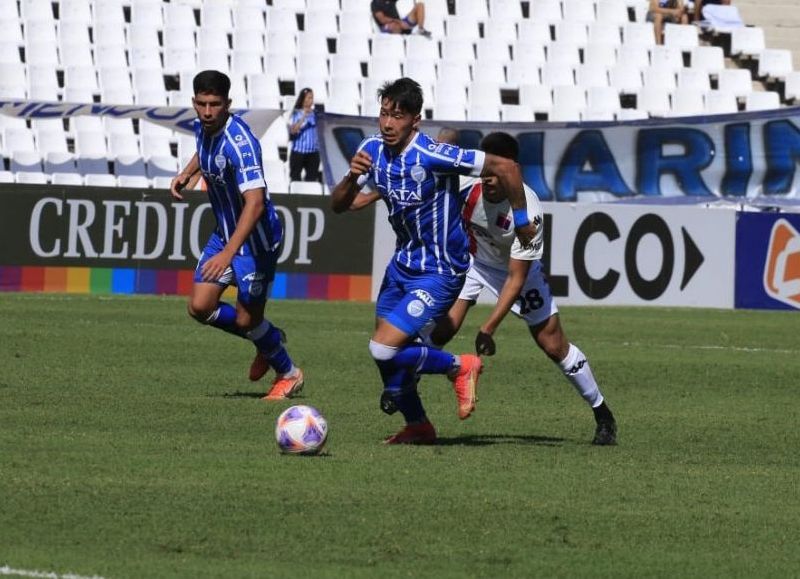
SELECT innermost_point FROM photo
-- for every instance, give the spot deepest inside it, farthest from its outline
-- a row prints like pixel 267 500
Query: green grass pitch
pixel 133 445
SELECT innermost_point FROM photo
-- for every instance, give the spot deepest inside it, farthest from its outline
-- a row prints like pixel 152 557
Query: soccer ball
pixel 301 430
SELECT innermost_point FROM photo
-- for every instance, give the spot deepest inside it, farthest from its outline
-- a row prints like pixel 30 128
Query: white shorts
pixel 535 303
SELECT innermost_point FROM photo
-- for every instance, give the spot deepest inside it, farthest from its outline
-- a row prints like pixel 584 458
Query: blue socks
pixel 224 318
pixel 267 339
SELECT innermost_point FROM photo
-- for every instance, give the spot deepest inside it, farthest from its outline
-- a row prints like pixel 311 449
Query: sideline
pixel 6 570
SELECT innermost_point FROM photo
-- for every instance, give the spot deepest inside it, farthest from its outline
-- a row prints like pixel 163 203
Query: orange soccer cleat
pixel 465 384
pixel 285 386
pixel 420 433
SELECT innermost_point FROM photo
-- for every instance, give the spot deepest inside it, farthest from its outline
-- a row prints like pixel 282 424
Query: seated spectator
pixel 662 11
pixel 388 18
pixel 698 6
pixel 303 136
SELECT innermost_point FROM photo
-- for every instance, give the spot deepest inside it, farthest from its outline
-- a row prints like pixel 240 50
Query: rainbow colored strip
pixel 85 280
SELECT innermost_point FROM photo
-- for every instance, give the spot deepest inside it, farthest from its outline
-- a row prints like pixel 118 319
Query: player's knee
pixel 380 352
pixel 199 312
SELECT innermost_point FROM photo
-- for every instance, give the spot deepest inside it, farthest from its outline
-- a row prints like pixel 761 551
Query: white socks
pixel 576 368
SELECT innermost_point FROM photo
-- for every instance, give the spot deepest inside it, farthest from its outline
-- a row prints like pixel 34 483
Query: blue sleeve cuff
pixel 520 217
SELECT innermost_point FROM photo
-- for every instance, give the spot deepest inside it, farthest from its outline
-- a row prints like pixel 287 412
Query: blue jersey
pixel 231 164
pixel 306 140
pixel 420 188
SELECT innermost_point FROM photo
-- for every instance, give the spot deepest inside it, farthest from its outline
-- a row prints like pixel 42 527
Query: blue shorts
pixel 411 300
pixel 250 274
pixel 407 20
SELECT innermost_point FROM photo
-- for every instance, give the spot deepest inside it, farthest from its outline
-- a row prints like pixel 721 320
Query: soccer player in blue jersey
pixel 417 178
pixel 243 248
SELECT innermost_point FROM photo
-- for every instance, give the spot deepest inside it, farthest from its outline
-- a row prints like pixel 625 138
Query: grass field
pixel 132 445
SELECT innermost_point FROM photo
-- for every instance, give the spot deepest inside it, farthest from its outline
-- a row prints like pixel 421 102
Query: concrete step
pixel 769 15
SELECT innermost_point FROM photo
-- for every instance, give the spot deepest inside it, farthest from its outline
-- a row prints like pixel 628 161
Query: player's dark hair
pixel 298 104
pixel 404 93
pixel 501 144
pixel 212 82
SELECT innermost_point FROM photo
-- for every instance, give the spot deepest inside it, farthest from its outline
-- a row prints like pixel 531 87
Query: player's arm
pixel 346 191
pixel 182 179
pixel 363 200
pixel 383 19
pixel 510 176
pixel 512 288
pixel 252 212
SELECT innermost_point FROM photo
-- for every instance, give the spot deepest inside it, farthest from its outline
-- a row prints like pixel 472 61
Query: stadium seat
pixel 612 12
pixel 625 78
pixel 66 179
pixel 6 176
pixel 569 101
pixel 604 33
pixel 321 22
pixel 388 46
pixel 21 161
pixel 503 30
pixel 720 102
pixel 747 41
pixel 520 72
pixel 216 15
pixel 792 87
pixel 693 78
pixel 133 181
pixel 654 101
pixel 563 54
pixel 352 22
pixel 639 34
pixel 681 36
pixel 633 56
pixel 711 59
pixel 602 99
pixel 510 10
pixel 571 32
pixel 528 51
pixel 100 180
pixel 62 162
pixel 448 111
pixel 688 101
pixel 458 50
pixel 161 182
pixel 247 17
pixel 280 66
pixel 735 81
pixel 666 58
pixel 18 139
pixel 309 43
pixel 51 141
pixel 660 78
pixel 75 11
pixel 546 11
pixel 31 177
pixel 161 166
pixel 762 101
pixel 129 165
pixel 538 98
pixel 775 63
pixel 353 45
pixel 554 74
pixel 461 28
pixel 246 61
pixel 529 30
pixel 599 55
pixel 516 114
pixel 578 11
pixel 591 76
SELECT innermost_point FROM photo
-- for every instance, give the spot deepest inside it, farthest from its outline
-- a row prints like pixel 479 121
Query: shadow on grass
pixel 489 439
pixel 240 394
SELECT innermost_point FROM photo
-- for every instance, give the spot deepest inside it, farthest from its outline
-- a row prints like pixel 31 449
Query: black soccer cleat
pixel 605 434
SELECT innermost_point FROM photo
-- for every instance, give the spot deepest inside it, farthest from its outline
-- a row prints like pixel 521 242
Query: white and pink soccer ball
pixel 301 430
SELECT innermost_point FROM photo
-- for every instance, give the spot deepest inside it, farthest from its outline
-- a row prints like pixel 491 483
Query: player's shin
pixel 268 341
pixel 576 369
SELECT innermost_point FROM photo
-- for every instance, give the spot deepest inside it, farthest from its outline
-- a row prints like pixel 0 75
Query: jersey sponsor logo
pixel 782 264
pixel 418 173
pixel 220 161
pixel 425 297
pixel 255 168
pixel 442 148
pixel 406 197
pixel 415 308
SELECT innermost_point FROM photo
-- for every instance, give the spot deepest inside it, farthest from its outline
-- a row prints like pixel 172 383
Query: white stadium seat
pixel 762 101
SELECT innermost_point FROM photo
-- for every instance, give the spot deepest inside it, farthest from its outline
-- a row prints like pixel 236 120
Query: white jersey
pixel 492 240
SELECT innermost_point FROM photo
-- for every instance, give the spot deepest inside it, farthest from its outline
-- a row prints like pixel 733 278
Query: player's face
pixel 492 191
pixel 397 126
pixel 212 110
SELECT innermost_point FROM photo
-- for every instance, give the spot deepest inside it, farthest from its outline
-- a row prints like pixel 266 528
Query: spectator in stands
pixel 448 135
pixel 698 7
pixel 388 18
pixel 303 135
pixel 663 11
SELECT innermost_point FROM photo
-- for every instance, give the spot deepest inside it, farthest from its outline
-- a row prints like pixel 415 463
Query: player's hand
pixel 176 186
pixel 484 344
pixel 526 234
pixel 213 269
pixel 360 164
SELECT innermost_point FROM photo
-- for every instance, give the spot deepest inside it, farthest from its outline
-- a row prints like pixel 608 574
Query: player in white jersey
pixel 417 178
pixel 514 275
pixel 243 248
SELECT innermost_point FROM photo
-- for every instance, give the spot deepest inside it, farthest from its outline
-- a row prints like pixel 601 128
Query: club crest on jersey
pixel 418 173
pixel 415 308
pixel 220 161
